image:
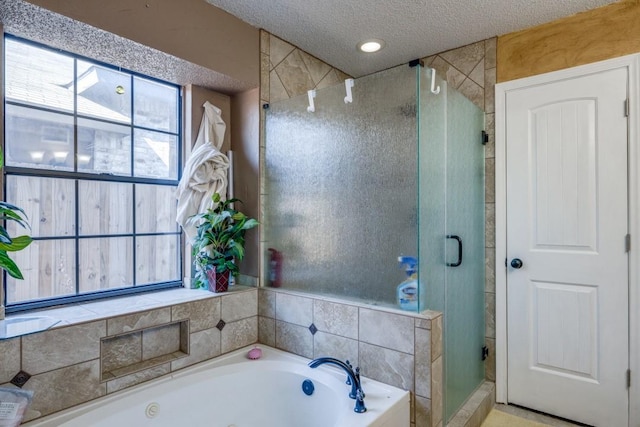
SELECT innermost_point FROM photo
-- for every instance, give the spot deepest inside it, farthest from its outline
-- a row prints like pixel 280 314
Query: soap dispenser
pixel 407 291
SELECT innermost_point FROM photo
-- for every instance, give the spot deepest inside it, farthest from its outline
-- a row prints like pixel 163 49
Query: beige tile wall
pixel 404 350
pixel 287 71
pixel 65 362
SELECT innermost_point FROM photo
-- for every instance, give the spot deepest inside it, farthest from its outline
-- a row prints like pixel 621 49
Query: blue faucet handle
pixel 360 408
pixel 348 382
pixel 357 373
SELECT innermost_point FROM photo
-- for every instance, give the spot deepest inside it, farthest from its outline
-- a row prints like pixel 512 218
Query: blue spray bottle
pixel 407 291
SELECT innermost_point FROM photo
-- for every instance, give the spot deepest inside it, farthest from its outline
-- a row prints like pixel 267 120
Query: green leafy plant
pixel 9 212
pixel 219 242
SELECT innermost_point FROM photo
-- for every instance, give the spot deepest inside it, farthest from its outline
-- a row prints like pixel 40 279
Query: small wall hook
pixel 311 94
pixel 348 84
pixel 434 90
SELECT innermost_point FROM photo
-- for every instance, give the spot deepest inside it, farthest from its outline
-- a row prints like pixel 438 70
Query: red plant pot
pixel 218 282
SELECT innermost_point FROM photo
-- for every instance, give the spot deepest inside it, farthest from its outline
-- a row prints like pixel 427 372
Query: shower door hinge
pixel 628 378
pixel 627 243
pixel 485 352
pixel 485 138
pixel 626 107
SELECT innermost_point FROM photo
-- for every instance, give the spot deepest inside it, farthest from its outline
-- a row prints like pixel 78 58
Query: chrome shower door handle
pixel 459 240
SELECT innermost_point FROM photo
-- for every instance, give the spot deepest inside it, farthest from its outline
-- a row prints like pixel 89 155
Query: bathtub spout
pixel 356 388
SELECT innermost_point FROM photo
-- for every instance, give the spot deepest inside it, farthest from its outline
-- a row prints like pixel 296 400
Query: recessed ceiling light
pixel 371 45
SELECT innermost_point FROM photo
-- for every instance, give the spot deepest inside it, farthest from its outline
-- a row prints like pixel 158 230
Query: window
pixel 91 155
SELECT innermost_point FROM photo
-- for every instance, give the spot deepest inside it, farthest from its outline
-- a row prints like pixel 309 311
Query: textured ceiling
pixel 331 29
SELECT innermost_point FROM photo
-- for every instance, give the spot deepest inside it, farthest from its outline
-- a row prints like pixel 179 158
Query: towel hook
pixel 312 94
pixel 348 84
pixel 434 90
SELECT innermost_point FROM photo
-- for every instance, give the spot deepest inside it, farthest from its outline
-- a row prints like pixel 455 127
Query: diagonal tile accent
pixel 278 50
pixel 465 58
pixel 313 329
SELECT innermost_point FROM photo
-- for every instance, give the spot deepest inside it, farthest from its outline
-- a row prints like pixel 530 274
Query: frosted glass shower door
pixel 451 232
pixel 464 295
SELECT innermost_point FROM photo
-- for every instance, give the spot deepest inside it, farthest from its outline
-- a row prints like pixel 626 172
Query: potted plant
pixel 219 243
pixel 9 212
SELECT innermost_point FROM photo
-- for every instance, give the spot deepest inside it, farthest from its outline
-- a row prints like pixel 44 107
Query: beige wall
pixel 245 129
pixel 189 29
pixel 195 97
pixel 603 33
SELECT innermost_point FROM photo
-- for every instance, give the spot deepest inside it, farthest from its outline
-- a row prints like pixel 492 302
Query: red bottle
pixel 275 268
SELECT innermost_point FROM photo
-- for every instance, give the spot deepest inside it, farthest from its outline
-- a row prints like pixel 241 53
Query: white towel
pixel 205 172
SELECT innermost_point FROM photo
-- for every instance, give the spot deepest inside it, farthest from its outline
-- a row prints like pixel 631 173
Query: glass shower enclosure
pixel 352 186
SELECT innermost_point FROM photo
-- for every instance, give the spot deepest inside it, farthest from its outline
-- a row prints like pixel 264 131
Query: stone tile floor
pixel 520 417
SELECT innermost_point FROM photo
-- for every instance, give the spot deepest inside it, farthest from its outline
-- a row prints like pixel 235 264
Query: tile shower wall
pixel 287 71
pixel 66 362
pixel 404 350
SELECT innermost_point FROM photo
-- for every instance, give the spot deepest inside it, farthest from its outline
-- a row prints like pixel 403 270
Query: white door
pixel 567 219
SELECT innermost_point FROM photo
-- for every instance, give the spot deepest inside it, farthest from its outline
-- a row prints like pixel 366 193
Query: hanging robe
pixel 205 172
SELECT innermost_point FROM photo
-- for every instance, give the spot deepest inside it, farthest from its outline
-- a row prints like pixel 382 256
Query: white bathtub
pixel 232 391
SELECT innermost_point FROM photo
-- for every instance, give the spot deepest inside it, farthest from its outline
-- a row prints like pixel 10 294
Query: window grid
pixel 78 176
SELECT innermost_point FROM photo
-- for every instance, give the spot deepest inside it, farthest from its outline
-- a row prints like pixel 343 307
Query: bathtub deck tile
pixel 145 364
pixel 436 390
pixel 387 366
pixel 398 330
pixel 122 305
pixel 160 341
pixel 9 359
pixel 267 331
pixel 423 362
pixel 236 306
pixel 436 338
pixel 422 411
pixel 57 348
pixel 62 388
pixel 294 309
pixel 335 318
pixel 135 321
pixel 202 314
pixel 294 339
pixel 330 345
pixel 137 378
pixel 239 334
pixel 121 351
pixel 203 345
pixel 266 303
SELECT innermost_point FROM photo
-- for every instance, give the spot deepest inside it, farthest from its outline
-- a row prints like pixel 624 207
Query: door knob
pixel 516 263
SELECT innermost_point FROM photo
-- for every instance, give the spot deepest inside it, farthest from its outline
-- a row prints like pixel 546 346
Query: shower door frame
pixel 632 62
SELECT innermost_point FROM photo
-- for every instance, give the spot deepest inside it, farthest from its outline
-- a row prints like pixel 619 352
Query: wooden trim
pixel 595 35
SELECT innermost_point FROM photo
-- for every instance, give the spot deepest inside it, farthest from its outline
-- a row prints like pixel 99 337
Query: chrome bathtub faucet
pixel 356 388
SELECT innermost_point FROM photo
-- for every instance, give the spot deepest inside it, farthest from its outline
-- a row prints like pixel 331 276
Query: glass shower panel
pixel 432 134
pixel 341 185
pixel 464 284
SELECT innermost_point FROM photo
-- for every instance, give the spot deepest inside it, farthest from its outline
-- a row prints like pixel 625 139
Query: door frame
pixel 632 63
